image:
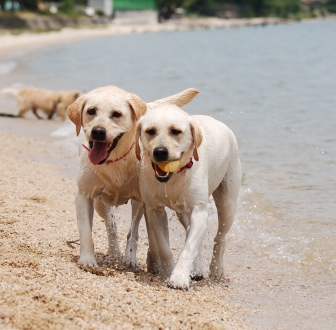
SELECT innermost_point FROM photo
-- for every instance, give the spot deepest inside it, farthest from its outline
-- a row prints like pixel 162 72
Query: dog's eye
pixel 175 131
pixel 151 132
pixel 91 111
pixel 116 114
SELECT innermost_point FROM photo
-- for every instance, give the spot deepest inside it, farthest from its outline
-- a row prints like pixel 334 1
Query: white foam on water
pixel 66 130
pixel 66 135
pixel 7 67
pixel 255 227
pixel 261 227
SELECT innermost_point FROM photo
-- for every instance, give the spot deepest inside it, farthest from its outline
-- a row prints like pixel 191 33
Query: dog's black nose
pixel 98 134
pixel 160 154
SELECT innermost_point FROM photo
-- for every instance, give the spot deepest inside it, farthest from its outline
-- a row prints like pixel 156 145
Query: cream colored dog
pixel 48 101
pixel 108 171
pixel 209 165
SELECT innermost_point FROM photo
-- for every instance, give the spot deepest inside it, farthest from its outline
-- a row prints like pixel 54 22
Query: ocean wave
pixel 7 67
pixel 66 135
pixel 66 130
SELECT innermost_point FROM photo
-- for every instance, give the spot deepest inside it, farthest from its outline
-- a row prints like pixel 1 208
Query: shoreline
pixel 42 286
pixel 31 41
pixel 40 277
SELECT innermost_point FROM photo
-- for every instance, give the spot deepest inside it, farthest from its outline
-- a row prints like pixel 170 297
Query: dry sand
pixel 41 284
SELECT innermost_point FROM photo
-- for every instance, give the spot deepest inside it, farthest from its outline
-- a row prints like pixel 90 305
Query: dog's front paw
pixel 197 273
pixel 153 267
pixel 196 277
pixel 129 260
pixel 153 263
pixel 216 271
pixel 88 261
pixel 172 285
pixel 179 282
pixel 113 253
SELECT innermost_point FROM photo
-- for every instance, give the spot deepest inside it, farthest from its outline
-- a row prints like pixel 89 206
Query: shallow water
pixel 275 88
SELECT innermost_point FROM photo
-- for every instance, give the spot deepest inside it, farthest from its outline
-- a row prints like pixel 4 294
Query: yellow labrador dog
pixel 209 164
pixel 108 170
pixel 48 101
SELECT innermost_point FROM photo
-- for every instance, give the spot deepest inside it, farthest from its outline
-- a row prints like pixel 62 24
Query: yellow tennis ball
pixel 169 166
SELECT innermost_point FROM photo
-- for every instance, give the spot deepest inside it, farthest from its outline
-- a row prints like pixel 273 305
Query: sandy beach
pixel 43 287
pixel 27 41
pixel 41 284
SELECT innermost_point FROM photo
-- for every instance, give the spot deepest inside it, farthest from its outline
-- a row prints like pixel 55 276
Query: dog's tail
pixel 8 115
pixel 12 92
pixel 179 99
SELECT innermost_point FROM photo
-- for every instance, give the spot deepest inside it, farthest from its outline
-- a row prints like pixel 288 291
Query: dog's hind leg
pixel 225 197
pixel 52 112
pixel 36 114
pixel 22 111
pixel 84 210
pixel 107 214
pixel 197 273
pixel 153 261
pixel 158 235
pixel 61 110
pixel 133 235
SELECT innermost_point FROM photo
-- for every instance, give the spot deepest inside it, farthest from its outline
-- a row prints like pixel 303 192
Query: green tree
pixel 250 8
pixel 28 4
pixel 175 3
pixel 280 8
pixel 2 4
pixel 167 7
pixel 66 7
pixel 331 6
pixel 208 7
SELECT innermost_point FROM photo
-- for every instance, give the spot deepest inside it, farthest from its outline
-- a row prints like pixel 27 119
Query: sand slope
pixel 41 284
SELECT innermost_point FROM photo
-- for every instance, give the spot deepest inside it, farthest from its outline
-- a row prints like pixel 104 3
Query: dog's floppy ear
pixel 137 141
pixel 138 106
pixel 197 137
pixel 74 112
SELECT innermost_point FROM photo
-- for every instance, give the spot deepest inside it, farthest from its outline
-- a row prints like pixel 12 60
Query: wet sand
pixel 42 286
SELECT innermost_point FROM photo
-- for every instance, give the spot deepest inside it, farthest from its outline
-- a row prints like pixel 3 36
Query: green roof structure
pixel 134 4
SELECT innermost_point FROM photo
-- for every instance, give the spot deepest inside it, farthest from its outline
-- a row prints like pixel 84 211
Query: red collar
pixel 109 161
pixel 188 165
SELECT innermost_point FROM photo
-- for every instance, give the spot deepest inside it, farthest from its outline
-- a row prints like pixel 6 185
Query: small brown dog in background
pixel 50 102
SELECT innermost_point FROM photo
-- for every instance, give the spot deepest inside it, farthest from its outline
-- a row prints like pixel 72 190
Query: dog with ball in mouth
pixel 185 159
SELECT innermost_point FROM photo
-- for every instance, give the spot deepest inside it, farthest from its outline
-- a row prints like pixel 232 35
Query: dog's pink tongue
pixel 159 171
pixel 99 152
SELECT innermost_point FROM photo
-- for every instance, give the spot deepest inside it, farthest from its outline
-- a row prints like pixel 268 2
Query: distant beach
pixel 28 40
